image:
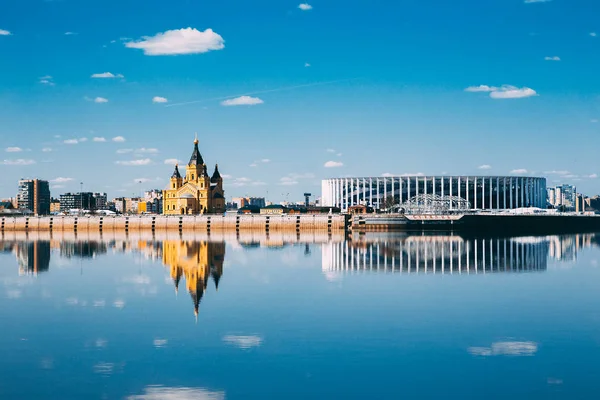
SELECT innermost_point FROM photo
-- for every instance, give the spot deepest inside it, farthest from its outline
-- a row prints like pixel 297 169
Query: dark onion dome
pixel 176 173
pixel 196 158
pixel 216 175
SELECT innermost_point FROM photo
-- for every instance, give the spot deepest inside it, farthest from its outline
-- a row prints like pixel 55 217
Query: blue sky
pixel 370 87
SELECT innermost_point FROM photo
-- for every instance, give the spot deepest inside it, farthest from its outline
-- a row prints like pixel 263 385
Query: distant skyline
pixel 283 94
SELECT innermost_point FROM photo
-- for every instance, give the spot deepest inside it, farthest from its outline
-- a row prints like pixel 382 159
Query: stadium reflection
pixel 450 254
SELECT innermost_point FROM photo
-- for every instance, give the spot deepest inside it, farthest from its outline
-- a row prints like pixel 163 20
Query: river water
pixel 378 316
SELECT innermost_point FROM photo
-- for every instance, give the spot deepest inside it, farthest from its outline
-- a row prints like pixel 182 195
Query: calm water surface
pixel 382 316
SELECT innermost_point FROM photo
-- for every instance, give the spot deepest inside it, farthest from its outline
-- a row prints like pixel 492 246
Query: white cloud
pixel 107 75
pixel 5 32
pixel 177 393
pixel 253 165
pixel 47 149
pixel 46 80
pixel 288 181
pixel 99 139
pixel 158 99
pixel 135 163
pixel 331 150
pixel 512 92
pixel 145 150
pixel 61 180
pixel 13 149
pixel 485 166
pixel 537 1
pixel 19 161
pixel 242 101
pixel 100 100
pixel 124 151
pixel 265 160
pixel 70 141
pixel 118 139
pixel 243 342
pixel 503 92
pixel 305 7
pixel 592 176
pixel 413 174
pixel 172 161
pixel 481 88
pixel 306 65
pixel 226 176
pixel 333 164
pixel 506 349
pixel 554 58
pixel 387 174
pixel 179 41
pixel 519 171
pixel 555 172
pixel 593 34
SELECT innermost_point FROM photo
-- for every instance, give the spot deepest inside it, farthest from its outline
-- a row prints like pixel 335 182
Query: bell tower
pixel 195 167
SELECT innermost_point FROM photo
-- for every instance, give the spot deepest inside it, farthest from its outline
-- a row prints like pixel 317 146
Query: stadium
pixel 435 193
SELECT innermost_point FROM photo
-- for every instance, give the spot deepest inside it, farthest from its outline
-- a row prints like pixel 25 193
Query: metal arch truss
pixel 433 204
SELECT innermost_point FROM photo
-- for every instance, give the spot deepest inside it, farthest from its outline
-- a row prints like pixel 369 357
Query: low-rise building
pixel 273 209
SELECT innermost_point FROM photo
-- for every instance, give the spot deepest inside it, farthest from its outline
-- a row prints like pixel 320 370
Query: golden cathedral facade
pixel 197 192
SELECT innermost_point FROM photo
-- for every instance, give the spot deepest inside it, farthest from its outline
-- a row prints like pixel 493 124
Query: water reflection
pixel 451 253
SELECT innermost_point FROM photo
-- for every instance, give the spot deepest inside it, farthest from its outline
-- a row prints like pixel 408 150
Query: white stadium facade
pixel 466 192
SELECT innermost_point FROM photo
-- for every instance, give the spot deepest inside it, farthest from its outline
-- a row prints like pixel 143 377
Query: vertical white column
pixel 408 188
pixel 400 190
pixel 371 192
pixel 467 189
pixel 482 205
pixel 433 185
pixel 393 191
pixel 384 189
pixel 378 194
pixel 475 190
pixel 497 193
pixel 416 185
pixel 425 185
pixel 522 192
pixel 511 192
pixel 458 184
pixel 450 194
pixel 442 186
pixel 491 195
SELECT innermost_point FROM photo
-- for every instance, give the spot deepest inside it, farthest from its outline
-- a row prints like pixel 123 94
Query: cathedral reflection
pixel 196 262
pixel 445 254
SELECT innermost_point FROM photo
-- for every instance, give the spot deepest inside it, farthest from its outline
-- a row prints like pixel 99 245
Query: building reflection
pixel 33 257
pixel 450 254
pixel 196 263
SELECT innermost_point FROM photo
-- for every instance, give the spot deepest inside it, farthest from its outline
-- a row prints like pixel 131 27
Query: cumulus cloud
pixel 554 58
pixel 179 41
pixel 305 7
pixel 504 92
pixel 158 99
pixel 506 349
pixel 4 32
pixel 519 171
pixel 557 172
pixel 242 101
pixel 592 176
pixel 71 141
pixel 108 75
pixel 19 161
pixel 243 342
pixel 118 139
pixel 99 139
pixel 330 150
pixel 177 393
pixel 288 181
pixel 135 163
pixel 100 100
pixel 413 174
pixel 333 164
pixel 485 166
pixel 265 160
pixel 172 161
pixel 47 80
pixel 13 149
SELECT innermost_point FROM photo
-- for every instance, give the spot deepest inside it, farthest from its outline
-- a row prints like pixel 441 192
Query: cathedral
pixel 197 193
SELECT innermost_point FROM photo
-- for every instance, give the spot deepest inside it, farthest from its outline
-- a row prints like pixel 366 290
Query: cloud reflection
pixel 158 343
pixel 243 342
pixel 177 393
pixel 506 349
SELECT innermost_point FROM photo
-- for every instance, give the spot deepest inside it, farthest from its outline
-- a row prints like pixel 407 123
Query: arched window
pixel 173 186
pixel 192 176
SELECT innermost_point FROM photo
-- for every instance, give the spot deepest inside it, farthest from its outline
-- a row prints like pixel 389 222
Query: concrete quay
pixel 197 223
